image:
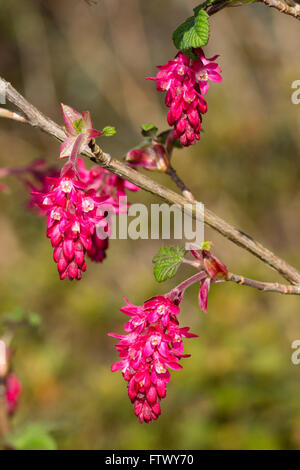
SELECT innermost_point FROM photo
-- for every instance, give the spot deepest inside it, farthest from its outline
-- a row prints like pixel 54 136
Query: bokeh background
pixel 239 389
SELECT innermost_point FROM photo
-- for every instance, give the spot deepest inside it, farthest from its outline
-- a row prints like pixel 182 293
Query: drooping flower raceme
pixel 72 214
pixel 73 200
pixel 153 344
pixel 185 81
pixel 73 206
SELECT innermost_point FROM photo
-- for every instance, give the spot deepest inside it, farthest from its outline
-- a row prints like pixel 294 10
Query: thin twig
pixel 264 286
pixel 282 7
pixel 39 120
pixel 292 10
pixel 180 184
pixel 6 113
pixel 244 281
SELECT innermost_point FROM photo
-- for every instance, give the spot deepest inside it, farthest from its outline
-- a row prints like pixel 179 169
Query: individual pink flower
pixel 205 70
pixel 13 391
pixel 185 80
pixel 152 346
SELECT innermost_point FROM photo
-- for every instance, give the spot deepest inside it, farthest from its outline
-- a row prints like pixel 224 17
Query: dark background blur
pixel 239 389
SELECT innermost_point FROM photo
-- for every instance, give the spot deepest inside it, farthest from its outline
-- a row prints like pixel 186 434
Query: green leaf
pixel 179 32
pixel 202 27
pixel 167 261
pixel 206 245
pixel 109 131
pixel 34 320
pixel 149 130
pixel 32 437
pixel 78 125
pixel 193 33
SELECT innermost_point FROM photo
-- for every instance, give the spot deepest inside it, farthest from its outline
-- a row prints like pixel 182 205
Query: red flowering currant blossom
pixel 206 69
pixel 70 203
pixel 185 80
pixel 72 199
pixel 13 391
pixel 72 216
pixel 152 345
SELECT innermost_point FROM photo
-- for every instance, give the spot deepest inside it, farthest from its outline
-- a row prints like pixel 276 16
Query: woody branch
pixel 36 119
pixel 283 7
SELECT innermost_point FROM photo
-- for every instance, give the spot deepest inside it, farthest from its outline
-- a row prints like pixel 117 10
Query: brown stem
pixel 264 286
pixel 5 113
pixel 244 281
pixel 39 120
pixel 180 184
pixel 282 7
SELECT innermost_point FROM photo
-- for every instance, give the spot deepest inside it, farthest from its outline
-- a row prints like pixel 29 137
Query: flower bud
pixel 152 158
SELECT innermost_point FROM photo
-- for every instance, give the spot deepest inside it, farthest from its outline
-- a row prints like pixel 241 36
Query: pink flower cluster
pixel 13 391
pixel 186 81
pixel 75 205
pixel 78 201
pixel 153 344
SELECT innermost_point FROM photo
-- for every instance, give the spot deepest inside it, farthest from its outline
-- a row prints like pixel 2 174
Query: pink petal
pixel 117 366
pixel 215 77
pixel 66 147
pixel 70 115
pixel 203 294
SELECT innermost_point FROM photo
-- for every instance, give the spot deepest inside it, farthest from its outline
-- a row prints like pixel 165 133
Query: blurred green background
pixel 239 389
